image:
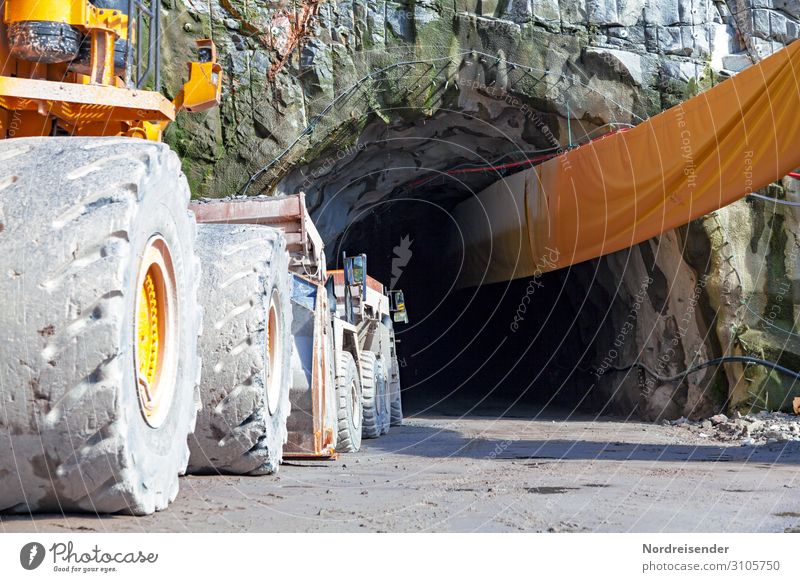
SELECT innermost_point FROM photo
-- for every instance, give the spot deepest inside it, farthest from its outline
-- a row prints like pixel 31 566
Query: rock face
pixel 617 61
pixel 377 98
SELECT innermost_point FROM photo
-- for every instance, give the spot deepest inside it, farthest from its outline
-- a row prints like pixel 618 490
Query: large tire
pixel 383 399
pixel 349 409
pixel 94 234
pixel 395 397
pixel 246 350
pixel 373 391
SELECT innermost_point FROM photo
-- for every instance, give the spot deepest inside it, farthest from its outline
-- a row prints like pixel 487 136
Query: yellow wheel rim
pixel 155 334
pixel 147 324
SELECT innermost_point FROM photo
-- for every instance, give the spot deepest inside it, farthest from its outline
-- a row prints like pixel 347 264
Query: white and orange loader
pixel 137 343
pixel 326 358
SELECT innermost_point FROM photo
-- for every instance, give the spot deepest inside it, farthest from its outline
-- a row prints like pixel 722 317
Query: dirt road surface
pixel 480 473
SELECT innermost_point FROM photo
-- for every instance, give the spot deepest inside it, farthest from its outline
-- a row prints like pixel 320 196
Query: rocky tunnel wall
pixel 387 114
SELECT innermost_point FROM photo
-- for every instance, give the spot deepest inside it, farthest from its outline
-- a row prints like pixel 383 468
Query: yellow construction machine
pixel 99 379
pixel 74 67
pixel 123 363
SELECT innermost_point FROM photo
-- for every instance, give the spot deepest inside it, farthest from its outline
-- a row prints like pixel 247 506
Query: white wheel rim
pixel 355 405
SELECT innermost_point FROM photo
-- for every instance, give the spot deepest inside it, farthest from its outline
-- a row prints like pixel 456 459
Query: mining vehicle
pixel 342 343
pixel 100 321
pixel 364 302
pixel 107 277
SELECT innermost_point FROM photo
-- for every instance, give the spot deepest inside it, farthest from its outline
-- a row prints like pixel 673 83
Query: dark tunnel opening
pixel 485 349
pixel 535 340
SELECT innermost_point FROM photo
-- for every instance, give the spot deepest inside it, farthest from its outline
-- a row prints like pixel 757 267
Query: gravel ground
pixel 749 430
pixel 478 473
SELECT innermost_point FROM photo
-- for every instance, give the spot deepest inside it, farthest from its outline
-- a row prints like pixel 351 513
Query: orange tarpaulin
pixel 607 195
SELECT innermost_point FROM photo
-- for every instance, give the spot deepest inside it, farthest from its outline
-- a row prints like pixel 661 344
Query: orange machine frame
pixel 35 95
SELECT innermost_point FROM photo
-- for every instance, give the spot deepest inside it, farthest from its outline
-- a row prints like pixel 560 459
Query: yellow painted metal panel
pixel 148 105
pixel 66 11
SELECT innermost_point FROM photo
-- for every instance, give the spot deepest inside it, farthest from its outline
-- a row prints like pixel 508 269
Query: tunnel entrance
pixel 538 340
pixel 486 349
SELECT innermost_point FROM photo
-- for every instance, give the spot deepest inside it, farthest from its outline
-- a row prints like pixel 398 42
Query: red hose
pixel 487 168
pixel 510 164
pixel 794 175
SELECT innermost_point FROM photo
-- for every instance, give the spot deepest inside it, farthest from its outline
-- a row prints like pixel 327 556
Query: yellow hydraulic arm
pixel 59 75
pixel 612 193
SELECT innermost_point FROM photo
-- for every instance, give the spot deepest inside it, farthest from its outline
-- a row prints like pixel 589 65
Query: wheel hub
pixel 355 406
pixel 155 332
pixel 274 354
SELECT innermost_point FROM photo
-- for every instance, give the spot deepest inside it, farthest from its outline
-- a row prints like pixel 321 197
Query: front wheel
pixel 246 350
pixel 375 413
pixel 395 396
pixel 100 323
pixel 349 400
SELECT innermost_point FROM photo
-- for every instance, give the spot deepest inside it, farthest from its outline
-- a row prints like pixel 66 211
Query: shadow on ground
pixel 443 443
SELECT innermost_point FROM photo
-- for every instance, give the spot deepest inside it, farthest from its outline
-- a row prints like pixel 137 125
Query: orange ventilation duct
pixel 612 193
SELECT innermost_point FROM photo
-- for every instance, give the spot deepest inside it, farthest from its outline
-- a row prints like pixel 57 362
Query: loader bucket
pixel 311 424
